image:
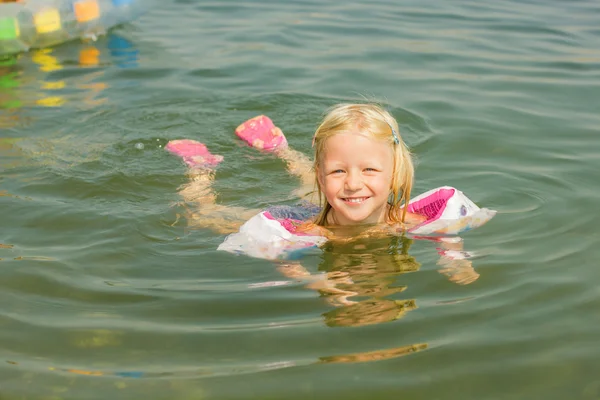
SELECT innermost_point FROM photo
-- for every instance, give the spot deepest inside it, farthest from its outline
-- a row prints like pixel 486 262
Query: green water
pixel 108 292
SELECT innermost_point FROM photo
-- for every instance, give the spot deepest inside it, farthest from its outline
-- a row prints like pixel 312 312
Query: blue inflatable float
pixel 26 24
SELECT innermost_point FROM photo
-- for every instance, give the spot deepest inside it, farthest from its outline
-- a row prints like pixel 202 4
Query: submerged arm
pixel 455 262
pixel 206 213
pixel 325 283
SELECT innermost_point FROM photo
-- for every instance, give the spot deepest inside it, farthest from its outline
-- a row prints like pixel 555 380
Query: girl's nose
pixel 353 181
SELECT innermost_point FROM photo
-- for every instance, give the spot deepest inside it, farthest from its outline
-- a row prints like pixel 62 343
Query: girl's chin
pixel 351 219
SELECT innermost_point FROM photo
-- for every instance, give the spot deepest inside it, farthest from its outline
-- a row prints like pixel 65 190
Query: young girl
pixel 363 173
pixel 362 170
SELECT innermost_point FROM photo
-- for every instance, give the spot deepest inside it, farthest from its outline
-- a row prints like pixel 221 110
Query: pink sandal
pixel 260 133
pixel 193 153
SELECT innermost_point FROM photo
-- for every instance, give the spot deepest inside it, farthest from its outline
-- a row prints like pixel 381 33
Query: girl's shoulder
pixel 300 212
pixel 298 219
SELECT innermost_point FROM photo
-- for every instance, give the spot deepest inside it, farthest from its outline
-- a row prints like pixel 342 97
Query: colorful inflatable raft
pixel 27 24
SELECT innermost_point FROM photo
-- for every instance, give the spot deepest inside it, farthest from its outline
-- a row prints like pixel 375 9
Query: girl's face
pixel 355 175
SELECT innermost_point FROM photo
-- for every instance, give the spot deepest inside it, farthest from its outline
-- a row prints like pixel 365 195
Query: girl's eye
pixel 370 169
pixel 338 171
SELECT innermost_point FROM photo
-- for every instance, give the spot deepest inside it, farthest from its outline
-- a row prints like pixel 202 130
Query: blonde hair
pixel 374 122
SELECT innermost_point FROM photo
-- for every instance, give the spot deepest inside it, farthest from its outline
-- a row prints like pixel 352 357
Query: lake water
pixel 107 291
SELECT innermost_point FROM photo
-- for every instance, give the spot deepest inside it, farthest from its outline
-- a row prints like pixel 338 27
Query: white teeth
pixel 356 200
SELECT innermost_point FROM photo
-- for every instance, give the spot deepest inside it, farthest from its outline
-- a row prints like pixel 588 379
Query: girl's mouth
pixel 354 200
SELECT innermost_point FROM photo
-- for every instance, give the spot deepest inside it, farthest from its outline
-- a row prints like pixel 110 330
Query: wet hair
pixel 374 122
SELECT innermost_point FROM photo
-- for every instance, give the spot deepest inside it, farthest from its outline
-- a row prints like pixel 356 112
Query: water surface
pixel 108 291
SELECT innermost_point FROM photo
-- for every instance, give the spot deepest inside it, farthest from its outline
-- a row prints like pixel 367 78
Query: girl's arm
pixel 455 261
pixel 325 283
pixel 202 209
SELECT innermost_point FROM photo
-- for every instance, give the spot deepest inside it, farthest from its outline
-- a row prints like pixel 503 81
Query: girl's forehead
pixel 353 142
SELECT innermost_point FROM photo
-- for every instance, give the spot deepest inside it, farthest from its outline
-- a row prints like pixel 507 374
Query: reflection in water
pixel 22 87
pixel 123 52
pixel 89 57
pixel 207 372
pixel 376 355
pixel 10 96
pixel 9 83
pixel 368 356
pixel 48 63
pixel 361 274
pixel 455 262
pixel 368 312
pixel 121 374
pixel 365 267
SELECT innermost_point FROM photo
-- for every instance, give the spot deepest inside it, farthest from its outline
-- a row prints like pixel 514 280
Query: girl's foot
pixel 260 133
pixel 193 153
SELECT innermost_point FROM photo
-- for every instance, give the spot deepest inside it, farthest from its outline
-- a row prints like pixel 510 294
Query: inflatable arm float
pixel 448 212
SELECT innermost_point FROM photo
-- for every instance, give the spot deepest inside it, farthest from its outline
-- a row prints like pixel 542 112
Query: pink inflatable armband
pixel 193 153
pixel 264 237
pixel 448 211
pixel 260 132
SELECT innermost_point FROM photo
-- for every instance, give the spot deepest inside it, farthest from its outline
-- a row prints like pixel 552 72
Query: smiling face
pixel 355 174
